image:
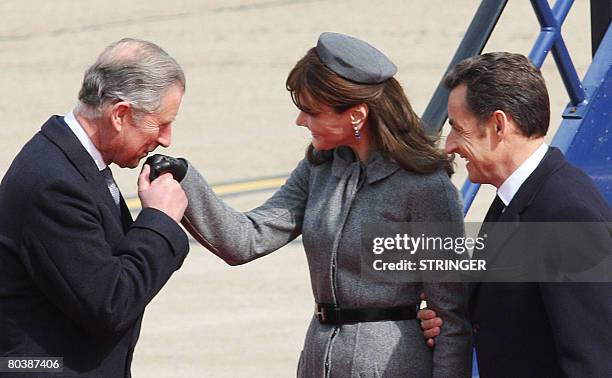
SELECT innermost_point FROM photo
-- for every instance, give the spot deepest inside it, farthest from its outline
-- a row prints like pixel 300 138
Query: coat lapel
pixel 509 221
pixel 552 161
pixel 58 132
pixel 500 231
pixel 376 168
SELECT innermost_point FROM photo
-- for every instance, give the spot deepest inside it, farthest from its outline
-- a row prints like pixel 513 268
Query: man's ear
pixel 359 114
pixel 119 114
pixel 500 123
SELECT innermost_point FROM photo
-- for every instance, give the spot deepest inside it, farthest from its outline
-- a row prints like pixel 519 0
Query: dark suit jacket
pixel 546 329
pixel 75 272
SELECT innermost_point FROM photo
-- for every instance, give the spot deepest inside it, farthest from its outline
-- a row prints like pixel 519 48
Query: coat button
pixel 476 328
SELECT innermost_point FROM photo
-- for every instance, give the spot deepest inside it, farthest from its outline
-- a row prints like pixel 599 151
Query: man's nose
pixel 165 136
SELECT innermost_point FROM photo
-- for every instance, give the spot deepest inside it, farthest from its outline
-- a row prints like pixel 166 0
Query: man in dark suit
pixel 76 272
pixel 499 114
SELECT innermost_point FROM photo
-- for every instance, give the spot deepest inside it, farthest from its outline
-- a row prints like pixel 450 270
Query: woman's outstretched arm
pixel 238 237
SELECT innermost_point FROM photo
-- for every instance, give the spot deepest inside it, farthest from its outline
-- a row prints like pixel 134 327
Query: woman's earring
pixel 356 129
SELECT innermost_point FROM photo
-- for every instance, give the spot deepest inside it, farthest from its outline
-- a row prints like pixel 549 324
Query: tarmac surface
pixel 237 123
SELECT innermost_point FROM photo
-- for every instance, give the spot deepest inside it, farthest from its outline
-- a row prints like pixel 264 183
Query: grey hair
pixel 131 70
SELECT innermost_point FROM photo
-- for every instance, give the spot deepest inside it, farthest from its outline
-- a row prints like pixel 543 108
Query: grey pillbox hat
pixel 354 59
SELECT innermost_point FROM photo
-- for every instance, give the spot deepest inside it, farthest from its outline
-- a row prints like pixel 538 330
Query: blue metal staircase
pixel 585 134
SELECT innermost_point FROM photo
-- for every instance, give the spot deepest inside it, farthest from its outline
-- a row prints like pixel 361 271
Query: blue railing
pixel 550 38
pixel 590 100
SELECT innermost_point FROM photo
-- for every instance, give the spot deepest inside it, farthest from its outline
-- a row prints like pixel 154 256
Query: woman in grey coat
pixel 369 161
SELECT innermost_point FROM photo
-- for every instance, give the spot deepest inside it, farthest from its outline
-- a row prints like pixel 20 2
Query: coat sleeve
pixel 580 316
pixel 103 288
pixel 239 237
pixel 452 355
pixel 580 312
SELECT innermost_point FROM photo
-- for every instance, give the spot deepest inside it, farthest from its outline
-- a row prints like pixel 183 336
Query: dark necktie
pixel 495 211
pixel 111 184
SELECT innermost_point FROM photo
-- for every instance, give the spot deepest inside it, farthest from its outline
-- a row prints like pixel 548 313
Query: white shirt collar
pixel 80 133
pixel 508 189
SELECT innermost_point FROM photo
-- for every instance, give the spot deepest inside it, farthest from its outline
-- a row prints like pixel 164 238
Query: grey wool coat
pixel 326 204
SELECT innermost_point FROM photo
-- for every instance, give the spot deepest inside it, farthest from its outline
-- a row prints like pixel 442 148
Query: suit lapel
pixel 509 221
pixel 552 161
pixel 500 231
pixel 56 130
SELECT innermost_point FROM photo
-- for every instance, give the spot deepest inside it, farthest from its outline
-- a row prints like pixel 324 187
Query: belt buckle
pixel 320 313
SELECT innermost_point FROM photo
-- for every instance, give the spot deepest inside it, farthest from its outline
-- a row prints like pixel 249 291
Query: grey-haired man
pixel 76 272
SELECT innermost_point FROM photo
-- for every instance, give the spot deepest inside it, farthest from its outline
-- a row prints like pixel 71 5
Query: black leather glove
pixel 163 163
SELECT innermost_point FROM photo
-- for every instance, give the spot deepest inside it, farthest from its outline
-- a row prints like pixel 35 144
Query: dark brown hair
pixel 508 82
pixel 396 130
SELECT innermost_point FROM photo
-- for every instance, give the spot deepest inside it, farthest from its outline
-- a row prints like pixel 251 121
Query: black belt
pixel 333 314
